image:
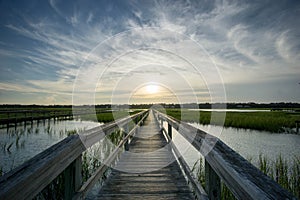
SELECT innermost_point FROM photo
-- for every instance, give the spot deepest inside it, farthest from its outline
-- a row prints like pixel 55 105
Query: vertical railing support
pixel 212 183
pixel 126 131
pixel 170 130
pixel 73 178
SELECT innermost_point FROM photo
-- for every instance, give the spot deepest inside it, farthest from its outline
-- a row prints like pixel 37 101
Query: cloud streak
pixel 247 41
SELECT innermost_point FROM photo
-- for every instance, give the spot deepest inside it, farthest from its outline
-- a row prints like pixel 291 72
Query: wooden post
pixel 212 183
pixel 73 178
pixel 126 131
pixel 68 182
pixel 31 113
pixel 170 130
pixel 297 126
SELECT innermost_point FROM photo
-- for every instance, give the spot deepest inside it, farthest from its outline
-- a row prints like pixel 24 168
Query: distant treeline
pixel 274 106
pixel 280 105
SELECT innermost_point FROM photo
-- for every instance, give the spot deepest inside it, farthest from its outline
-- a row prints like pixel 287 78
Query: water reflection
pixel 22 142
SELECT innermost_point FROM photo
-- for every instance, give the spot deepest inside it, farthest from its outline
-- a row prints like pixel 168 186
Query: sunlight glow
pixel 151 89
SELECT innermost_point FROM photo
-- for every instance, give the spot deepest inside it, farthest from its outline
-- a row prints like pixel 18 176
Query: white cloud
pixel 284 46
pixel 241 52
pixel 74 19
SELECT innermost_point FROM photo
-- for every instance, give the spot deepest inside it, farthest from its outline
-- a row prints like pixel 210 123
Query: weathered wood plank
pixel 113 156
pixel 196 186
pixel 212 183
pixel 181 196
pixel 27 180
pixel 241 177
pixel 147 170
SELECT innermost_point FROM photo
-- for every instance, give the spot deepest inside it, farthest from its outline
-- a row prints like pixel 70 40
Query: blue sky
pixel 64 52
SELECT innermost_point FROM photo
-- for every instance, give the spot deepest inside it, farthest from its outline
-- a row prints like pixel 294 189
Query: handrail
pixel 30 115
pixel 111 158
pixel 198 189
pixel 243 179
pixel 27 180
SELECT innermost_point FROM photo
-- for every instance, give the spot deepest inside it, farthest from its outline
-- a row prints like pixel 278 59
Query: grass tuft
pixel 286 175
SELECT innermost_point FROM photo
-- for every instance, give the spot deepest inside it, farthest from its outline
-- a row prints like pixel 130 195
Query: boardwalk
pixel 146 171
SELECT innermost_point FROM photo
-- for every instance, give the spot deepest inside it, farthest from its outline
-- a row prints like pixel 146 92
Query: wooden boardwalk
pixel 148 170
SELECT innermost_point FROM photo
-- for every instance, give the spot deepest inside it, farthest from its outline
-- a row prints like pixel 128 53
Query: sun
pixel 151 89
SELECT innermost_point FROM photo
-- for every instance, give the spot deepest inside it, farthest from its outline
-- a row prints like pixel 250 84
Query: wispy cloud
pixel 246 40
pixel 286 47
pixel 90 17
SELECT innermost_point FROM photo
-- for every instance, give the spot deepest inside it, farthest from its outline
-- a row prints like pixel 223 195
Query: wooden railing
pixel 243 179
pixel 192 180
pixel 18 116
pixel 27 180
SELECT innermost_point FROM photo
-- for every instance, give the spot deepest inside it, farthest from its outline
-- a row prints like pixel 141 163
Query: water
pixel 36 137
pixel 19 144
pixel 248 143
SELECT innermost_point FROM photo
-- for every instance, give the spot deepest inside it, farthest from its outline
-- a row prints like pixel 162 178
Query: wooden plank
pixel 212 183
pixel 170 130
pixel 27 180
pixel 181 196
pixel 73 178
pixel 196 186
pixel 152 174
pixel 241 177
pixel 113 156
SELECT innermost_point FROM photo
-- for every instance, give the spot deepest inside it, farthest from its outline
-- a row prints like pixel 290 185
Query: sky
pixel 96 52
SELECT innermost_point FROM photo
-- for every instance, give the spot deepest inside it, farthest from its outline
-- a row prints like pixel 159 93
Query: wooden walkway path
pixel 146 171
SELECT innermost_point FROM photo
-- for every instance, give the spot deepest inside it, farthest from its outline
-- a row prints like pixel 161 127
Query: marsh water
pixel 22 142
pixel 248 143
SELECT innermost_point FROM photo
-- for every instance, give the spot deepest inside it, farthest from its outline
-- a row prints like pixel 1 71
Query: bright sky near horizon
pixel 84 52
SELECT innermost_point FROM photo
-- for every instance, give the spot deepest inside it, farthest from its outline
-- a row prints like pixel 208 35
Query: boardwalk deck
pixel 146 170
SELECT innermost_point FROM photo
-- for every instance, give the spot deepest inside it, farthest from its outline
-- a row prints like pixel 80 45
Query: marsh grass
pixel 91 160
pixel 70 132
pixel 103 115
pixel 37 130
pixel 108 116
pixel 285 174
pixel 275 121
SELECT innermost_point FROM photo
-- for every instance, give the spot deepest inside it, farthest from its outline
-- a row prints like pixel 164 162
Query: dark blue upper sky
pixel 255 46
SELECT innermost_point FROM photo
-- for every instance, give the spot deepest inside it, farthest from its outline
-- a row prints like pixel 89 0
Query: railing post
pixel 126 131
pixel 73 178
pixel 170 130
pixel 212 183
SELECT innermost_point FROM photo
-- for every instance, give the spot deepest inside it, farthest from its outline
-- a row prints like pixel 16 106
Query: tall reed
pixel 284 173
